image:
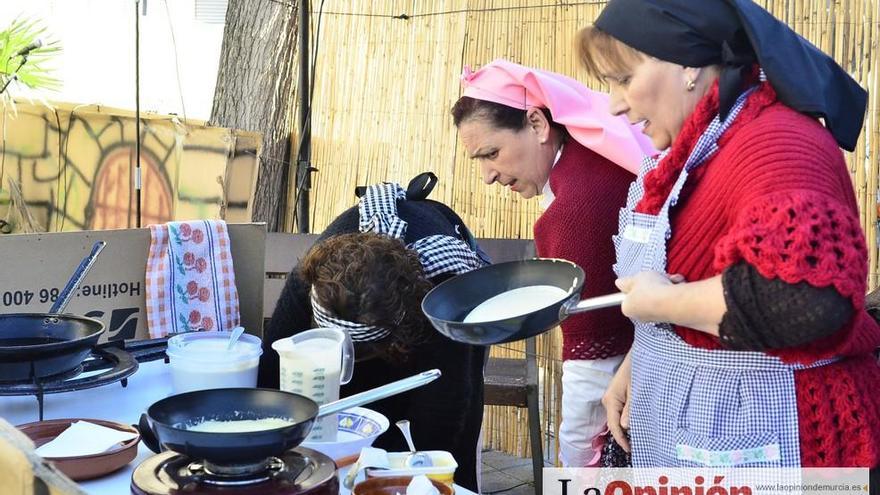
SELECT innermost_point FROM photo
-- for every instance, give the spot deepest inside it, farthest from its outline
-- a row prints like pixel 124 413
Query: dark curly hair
pixel 375 280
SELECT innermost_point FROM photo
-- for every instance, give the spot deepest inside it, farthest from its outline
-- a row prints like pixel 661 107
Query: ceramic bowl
pixel 84 467
pixel 358 428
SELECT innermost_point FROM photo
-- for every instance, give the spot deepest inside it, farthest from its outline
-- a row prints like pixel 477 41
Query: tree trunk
pixel 254 91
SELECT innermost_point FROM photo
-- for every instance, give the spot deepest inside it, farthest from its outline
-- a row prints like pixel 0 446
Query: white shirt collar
pixel 547 196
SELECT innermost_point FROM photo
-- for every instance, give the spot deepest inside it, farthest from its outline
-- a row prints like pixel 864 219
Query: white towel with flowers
pixel 190 281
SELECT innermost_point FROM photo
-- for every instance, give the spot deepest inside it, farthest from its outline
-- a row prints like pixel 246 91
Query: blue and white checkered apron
pixel 692 407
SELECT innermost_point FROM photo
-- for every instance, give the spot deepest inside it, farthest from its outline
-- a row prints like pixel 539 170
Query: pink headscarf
pixel 583 112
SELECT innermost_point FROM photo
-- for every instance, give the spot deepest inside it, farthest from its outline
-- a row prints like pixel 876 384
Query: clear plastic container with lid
pixel 200 360
pixel 442 470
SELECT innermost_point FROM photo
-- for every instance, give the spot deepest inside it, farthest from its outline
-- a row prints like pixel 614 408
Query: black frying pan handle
pixel 147 435
pixel 84 266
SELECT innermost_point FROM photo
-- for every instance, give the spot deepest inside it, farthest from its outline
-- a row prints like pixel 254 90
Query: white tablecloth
pixel 113 403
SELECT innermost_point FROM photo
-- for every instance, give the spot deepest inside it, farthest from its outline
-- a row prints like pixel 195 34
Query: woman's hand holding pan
pixel 646 295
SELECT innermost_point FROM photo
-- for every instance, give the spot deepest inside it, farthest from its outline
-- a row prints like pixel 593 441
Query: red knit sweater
pixel 589 191
pixel 778 195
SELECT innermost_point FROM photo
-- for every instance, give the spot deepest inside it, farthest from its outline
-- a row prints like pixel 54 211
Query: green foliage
pixel 34 73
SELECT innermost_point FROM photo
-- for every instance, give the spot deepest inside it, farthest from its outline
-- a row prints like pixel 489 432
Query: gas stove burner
pixel 103 366
pixel 265 469
pixel 108 363
pixel 274 469
pixel 28 383
pixel 298 471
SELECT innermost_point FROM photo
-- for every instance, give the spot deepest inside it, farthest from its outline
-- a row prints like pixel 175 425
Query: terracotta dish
pixel 393 486
pixel 84 467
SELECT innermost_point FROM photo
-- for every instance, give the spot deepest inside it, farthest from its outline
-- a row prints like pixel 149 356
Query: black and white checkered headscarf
pixel 438 254
pixel 357 331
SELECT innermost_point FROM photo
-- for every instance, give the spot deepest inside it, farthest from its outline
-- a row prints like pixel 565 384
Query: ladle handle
pixel 593 303
pixel 377 393
pixel 84 266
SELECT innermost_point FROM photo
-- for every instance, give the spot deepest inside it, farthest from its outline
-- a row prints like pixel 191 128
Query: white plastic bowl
pixel 358 427
pixel 199 360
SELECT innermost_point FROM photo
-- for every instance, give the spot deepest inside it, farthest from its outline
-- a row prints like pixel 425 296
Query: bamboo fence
pixel 385 82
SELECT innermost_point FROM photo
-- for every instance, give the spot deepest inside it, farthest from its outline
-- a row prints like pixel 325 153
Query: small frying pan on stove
pixel 447 304
pixel 164 425
pixel 37 345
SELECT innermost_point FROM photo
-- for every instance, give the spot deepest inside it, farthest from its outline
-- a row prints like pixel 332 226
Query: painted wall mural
pixel 75 167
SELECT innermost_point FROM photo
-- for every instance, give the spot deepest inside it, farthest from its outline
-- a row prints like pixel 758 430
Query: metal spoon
pixel 353 471
pixel 373 459
pixel 414 459
pixel 236 333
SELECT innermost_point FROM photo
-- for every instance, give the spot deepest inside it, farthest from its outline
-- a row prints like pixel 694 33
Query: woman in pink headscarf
pixel 541 133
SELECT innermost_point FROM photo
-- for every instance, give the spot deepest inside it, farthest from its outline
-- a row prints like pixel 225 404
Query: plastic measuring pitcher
pixel 315 363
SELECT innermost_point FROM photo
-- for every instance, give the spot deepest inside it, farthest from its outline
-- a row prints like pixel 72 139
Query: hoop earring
pixel 691 85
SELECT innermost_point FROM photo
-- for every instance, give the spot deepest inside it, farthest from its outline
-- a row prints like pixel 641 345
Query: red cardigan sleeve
pixel 797 221
pixel 800 236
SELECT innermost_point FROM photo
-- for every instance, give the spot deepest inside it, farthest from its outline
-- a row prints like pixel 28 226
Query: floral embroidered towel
pixel 190 281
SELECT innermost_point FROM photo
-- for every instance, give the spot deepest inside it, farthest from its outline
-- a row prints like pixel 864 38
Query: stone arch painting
pixel 112 203
pixel 75 168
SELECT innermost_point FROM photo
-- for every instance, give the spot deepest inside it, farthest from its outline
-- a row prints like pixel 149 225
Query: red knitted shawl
pixel 589 191
pixel 778 195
